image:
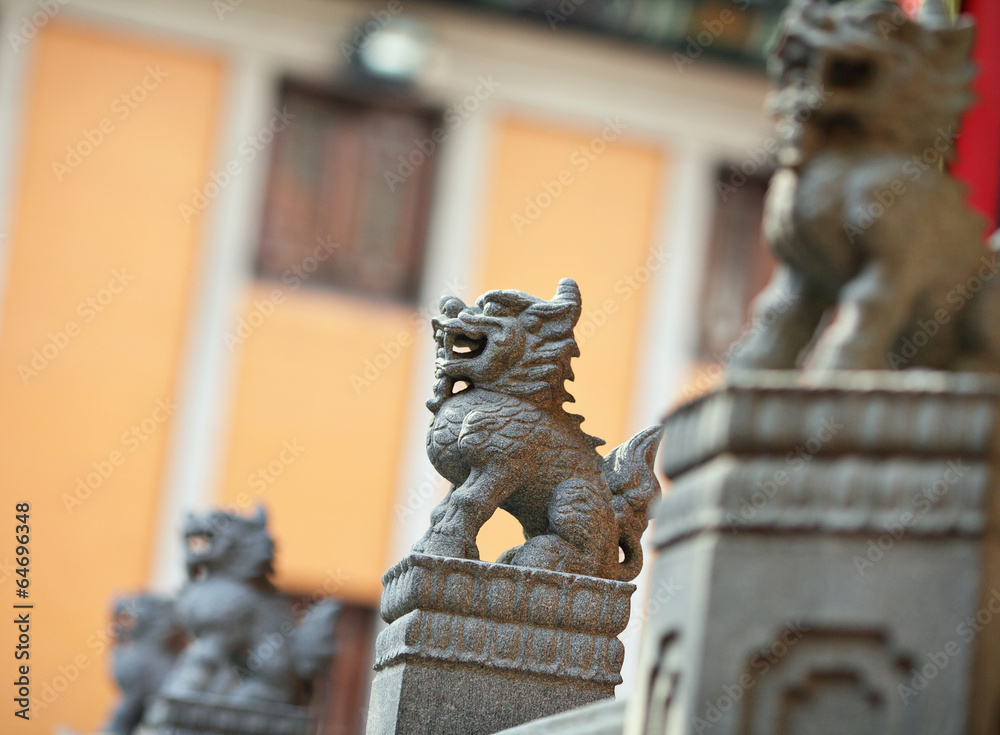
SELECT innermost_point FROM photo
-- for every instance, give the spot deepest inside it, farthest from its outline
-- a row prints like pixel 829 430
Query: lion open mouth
pixel 455 345
pixel 460 345
pixel 199 543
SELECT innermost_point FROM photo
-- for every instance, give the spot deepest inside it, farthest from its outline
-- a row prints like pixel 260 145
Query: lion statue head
pixel 862 72
pixel 508 342
pixel 228 544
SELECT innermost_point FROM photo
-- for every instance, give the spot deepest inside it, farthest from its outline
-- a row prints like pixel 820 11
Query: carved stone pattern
pixel 506 594
pixel 216 715
pixel 662 687
pixel 925 414
pixel 848 495
pixel 831 681
pixel 520 647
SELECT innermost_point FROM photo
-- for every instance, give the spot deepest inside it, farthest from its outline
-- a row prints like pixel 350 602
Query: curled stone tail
pixel 629 472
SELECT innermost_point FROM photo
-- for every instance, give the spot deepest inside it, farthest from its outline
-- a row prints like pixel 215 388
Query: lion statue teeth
pixel 500 435
pixel 880 262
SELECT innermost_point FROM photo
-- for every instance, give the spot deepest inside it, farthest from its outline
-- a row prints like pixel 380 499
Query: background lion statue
pixel 881 263
pixel 146 646
pixel 244 642
pixel 500 435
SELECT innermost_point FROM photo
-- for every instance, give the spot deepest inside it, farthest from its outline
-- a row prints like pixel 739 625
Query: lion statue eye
pixel 492 308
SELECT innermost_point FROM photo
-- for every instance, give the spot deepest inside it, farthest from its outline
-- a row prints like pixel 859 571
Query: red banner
pixel 978 163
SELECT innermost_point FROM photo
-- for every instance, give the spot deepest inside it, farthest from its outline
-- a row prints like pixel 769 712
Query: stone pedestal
pixel 207 714
pixel 829 541
pixel 475 648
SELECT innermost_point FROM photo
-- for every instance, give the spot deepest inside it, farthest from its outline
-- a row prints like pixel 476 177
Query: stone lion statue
pixel 880 262
pixel 501 436
pixel 244 641
pixel 146 647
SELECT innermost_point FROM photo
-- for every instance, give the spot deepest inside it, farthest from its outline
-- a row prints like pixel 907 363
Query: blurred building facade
pixel 225 226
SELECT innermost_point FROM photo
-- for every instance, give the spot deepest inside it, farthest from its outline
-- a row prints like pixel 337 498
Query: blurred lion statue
pixel 244 641
pixel 146 646
pixel 881 264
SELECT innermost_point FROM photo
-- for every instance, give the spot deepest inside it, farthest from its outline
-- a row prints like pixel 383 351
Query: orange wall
pixel 113 210
pixel 314 443
pixel 592 219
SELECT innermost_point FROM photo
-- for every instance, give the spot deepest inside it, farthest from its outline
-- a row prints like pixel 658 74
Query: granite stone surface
pixel 829 538
pixel 601 718
pixel 208 714
pixel 475 647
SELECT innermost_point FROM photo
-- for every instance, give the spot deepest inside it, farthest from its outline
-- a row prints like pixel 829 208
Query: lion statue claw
pixel 500 435
pixel 880 262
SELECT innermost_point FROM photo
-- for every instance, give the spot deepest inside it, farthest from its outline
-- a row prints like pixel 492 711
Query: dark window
pixel 340 700
pixel 349 176
pixel 738 265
